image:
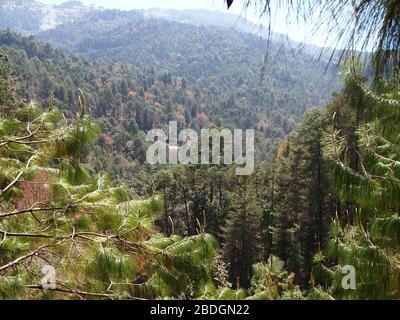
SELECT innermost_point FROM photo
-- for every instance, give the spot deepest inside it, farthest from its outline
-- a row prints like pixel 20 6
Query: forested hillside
pixel 215 57
pixel 94 233
pixel 31 16
pixel 77 194
pixel 99 237
pixel 213 81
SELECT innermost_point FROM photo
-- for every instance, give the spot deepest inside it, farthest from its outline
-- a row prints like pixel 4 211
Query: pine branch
pixel 32 210
pixel 12 183
pixel 27 235
pixel 20 259
pixel 3 143
pixel 20 140
pixel 76 292
pixel 352 74
pixel 83 235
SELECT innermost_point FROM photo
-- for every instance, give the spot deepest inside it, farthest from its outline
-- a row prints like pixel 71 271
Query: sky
pixel 147 4
pixel 300 33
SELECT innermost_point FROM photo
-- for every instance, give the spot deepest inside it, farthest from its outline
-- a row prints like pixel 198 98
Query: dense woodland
pixel 131 99
pixel 76 192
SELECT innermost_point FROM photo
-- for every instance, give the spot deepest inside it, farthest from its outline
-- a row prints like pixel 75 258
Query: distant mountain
pixel 29 16
pixel 141 69
pixel 202 17
pixel 207 18
pixel 195 52
pixel 210 49
pixel 44 16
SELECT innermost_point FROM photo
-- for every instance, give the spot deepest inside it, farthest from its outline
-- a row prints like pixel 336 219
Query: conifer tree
pixel 5 83
pixel 290 205
pixel 242 233
pixel 99 238
pixel 368 237
pixel 303 201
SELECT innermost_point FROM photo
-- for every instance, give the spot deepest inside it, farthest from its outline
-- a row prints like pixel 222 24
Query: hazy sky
pixel 299 33
pixel 146 4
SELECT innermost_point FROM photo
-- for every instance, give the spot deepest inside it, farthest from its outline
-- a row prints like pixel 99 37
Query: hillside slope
pixel 138 73
pixel 223 57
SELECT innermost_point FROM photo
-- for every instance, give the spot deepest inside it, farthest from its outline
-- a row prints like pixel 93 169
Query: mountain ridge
pixel 139 73
pixel 70 11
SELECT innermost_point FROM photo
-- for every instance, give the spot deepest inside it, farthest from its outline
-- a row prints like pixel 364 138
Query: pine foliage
pixel 98 236
pixel 370 185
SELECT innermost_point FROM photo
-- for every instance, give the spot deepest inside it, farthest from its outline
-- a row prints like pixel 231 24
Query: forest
pixel 78 196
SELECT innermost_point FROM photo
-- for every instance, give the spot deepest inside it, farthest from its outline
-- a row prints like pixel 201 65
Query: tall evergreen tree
pixel 6 97
pixel 368 238
pixel 242 233
pixel 304 203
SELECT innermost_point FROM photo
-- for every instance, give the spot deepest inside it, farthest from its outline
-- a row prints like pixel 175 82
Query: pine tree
pixel 6 98
pixel 290 201
pixel 97 235
pixel 303 200
pixel 242 234
pixel 272 282
pixel 368 238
